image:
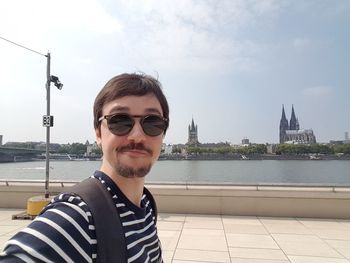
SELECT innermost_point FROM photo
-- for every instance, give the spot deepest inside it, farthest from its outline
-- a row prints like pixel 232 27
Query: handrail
pixel 7 182
pixel 33 181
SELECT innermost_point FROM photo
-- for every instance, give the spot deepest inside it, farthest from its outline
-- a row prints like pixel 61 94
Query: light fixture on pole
pixel 48 119
pixel 35 204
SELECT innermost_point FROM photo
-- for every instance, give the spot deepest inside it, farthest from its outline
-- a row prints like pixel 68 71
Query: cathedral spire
pixel 283 125
pixel 283 114
pixel 293 120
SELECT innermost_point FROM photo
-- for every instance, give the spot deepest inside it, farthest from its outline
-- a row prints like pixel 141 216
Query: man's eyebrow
pixel 127 109
pixel 153 110
pixel 119 108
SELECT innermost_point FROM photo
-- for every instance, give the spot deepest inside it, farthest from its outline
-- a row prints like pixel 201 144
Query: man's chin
pixel 134 171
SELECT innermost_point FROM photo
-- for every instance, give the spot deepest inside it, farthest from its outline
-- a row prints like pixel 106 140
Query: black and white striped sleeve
pixel 64 232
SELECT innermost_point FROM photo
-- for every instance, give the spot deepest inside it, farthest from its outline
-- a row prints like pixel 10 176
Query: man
pixel 131 116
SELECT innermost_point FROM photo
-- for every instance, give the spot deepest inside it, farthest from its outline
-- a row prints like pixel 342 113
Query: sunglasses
pixel 121 124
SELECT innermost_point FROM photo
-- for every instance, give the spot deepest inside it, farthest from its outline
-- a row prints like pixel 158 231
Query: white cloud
pixel 194 35
pixel 33 21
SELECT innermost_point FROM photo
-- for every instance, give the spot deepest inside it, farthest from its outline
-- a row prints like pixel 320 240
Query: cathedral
pixel 192 134
pixel 291 132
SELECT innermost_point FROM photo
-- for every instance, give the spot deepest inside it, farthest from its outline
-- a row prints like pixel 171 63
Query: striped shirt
pixel 65 231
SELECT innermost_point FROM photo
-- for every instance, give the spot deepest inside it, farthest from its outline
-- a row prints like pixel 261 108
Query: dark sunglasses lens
pixel 153 125
pixel 120 124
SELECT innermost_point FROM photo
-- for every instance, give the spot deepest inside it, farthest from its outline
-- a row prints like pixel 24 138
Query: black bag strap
pixel 153 203
pixel 109 230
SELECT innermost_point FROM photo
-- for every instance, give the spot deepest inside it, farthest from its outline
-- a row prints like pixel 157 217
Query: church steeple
pixel 192 134
pixel 192 125
pixel 283 125
pixel 293 121
pixel 291 133
pixel 284 121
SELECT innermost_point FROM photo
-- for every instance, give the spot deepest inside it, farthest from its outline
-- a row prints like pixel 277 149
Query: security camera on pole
pixel 36 203
pixel 48 119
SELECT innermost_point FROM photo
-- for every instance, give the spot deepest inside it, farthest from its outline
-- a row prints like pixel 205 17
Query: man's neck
pixel 132 188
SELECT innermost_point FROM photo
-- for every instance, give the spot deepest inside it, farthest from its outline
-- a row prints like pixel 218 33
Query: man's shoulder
pixel 68 199
pixel 62 232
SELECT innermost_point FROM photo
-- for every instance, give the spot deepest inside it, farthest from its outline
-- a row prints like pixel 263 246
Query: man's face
pixel 131 155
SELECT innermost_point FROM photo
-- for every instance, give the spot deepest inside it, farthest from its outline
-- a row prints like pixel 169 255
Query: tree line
pixel 312 148
pixel 291 149
pixel 74 148
pixel 251 149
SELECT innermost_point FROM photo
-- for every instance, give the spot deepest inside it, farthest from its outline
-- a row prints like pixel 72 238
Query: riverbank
pixel 229 156
pixel 196 156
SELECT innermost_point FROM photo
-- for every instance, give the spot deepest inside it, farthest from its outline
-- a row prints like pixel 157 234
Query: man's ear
pixel 98 136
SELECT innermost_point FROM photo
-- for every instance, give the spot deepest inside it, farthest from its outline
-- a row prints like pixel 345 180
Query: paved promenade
pixel 206 238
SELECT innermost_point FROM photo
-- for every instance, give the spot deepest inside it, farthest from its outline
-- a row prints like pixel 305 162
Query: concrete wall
pixel 319 202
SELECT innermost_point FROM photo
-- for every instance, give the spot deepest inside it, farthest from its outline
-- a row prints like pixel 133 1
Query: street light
pixel 47 119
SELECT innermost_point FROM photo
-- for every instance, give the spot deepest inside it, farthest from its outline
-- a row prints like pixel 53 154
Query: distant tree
pixel 65 148
pixel 74 148
pixel 342 148
pixel 78 148
pixel 303 149
pixel 97 151
pixel 192 150
pixel 176 149
pixel 346 149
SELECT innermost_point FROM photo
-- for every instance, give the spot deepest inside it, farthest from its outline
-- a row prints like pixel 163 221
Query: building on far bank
pixel 91 149
pixel 166 149
pixel 345 141
pixel 192 134
pixel 291 132
pixel 245 141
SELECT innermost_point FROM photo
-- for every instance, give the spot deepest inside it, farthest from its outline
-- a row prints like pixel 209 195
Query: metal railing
pixel 188 184
pixel 8 182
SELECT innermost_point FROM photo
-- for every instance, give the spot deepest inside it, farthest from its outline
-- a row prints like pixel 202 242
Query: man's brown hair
pixel 134 84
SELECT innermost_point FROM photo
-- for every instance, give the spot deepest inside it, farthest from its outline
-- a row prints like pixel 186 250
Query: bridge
pixel 11 154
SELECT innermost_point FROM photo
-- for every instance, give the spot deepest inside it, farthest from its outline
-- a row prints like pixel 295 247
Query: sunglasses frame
pixel 132 118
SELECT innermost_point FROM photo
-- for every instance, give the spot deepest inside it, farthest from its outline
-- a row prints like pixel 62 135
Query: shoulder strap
pixel 153 203
pixel 111 246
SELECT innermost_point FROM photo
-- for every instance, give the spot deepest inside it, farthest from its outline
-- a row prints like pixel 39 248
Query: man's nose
pixel 137 134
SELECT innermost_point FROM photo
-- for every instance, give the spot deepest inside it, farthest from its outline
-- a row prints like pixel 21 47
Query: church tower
pixel 192 134
pixel 291 133
pixel 283 126
pixel 293 124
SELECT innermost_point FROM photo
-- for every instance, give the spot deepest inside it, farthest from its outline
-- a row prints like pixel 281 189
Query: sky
pixel 228 64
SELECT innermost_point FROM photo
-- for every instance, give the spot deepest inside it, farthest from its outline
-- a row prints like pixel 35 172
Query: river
pixel 317 172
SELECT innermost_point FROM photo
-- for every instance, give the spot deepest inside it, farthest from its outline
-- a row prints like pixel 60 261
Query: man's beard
pixel 130 172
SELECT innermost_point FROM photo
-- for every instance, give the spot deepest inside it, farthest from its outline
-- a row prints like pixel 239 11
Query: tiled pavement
pixel 207 238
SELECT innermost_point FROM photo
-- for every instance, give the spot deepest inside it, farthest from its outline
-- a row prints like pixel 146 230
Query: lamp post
pixel 47 167
pixel 47 119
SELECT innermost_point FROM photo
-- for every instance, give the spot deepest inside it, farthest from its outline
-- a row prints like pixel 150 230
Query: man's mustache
pixel 134 146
